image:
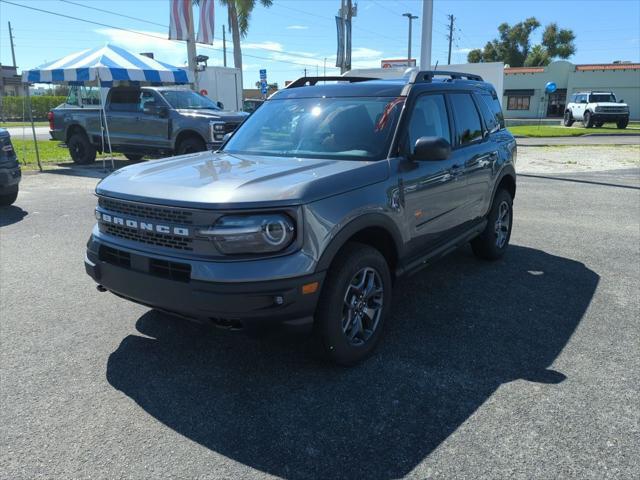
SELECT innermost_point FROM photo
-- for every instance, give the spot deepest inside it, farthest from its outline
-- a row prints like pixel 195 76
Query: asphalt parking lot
pixel 524 368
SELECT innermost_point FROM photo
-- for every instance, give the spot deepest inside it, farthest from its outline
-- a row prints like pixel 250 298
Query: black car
pixel 9 170
pixel 334 187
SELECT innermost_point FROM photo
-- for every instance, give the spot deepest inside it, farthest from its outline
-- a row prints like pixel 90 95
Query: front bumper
pixel 609 117
pixel 248 305
pixel 9 179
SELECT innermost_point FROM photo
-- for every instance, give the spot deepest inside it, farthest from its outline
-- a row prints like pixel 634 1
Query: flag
pixel 347 44
pixel 180 18
pixel 340 32
pixel 205 25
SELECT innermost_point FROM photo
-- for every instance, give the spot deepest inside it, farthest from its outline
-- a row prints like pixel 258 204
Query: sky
pixel 296 34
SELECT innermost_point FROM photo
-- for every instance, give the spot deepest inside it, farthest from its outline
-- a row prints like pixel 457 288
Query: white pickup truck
pixel 595 109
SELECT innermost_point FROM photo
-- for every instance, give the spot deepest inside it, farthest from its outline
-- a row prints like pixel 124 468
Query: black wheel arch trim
pixel 356 225
pixel 507 171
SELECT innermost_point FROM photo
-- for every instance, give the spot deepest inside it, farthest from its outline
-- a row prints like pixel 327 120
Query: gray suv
pixel 331 190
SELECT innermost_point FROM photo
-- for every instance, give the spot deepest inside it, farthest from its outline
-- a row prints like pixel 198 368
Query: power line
pixel 157 37
pixel 114 13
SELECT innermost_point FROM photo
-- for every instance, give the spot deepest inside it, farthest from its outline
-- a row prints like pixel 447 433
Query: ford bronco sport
pixel 595 109
pixel 311 209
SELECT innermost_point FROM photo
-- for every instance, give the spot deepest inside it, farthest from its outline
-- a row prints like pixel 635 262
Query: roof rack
pixel 310 81
pixel 426 76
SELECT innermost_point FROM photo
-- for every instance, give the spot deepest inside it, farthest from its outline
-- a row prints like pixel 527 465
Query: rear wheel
pixel 191 145
pixel 568 119
pixel 133 157
pixel 355 299
pixel 494 240
pixel 81 150
pixel 622 123
pixel 587 120
pixel 8 199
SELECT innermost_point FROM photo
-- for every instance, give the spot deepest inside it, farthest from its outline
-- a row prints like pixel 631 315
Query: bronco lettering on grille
pixel 146 226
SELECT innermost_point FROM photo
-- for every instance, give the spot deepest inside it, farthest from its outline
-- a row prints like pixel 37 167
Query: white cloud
pixel 271 46
pixel 363 53
pixel 462 50
pixel 297 27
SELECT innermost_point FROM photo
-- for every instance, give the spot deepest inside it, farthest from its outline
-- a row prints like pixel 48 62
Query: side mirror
pixel 220 105
pixel 226 137
pixel 583 101
pixel 621 101
pixel 431 149
pixel 163 112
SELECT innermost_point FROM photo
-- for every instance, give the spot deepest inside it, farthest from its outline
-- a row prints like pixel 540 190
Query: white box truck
pixel 222 84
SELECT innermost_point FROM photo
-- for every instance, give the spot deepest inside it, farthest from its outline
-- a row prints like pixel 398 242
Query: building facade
pixel 10 82
pixel 524 87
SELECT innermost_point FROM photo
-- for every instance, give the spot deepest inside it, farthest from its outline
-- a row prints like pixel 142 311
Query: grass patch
pixel 560 131
pixel 22 124
pixel 50 153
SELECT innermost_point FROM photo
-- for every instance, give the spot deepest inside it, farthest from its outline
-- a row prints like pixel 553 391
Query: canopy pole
pixel 33 128
pixel 106 125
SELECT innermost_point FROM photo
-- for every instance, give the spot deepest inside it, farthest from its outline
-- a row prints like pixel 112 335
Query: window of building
pixel 468 126
pixel 518 102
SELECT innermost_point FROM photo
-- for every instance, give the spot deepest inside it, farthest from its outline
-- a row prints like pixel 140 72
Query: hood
pixel 221 180
pixel 213 114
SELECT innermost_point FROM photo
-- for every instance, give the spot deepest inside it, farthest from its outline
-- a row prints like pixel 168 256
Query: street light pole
pixel 427 30
pixel 411 18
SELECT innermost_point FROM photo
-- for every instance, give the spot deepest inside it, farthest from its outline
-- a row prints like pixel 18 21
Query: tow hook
pixel 100 288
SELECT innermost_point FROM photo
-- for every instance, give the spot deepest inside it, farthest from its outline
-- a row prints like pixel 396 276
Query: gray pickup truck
pixel 142 121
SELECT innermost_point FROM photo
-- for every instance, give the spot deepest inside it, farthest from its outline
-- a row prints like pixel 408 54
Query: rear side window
pixel 125 100
pixel 493 104
pixel 467 119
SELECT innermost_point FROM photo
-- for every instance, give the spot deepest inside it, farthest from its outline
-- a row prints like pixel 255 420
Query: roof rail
pixel 310 81
pixel 426 76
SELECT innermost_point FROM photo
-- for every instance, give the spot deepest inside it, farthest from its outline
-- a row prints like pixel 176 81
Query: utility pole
pixel 191 49
pixel 427 31
pixel 305 72
pixel 450 36
pixel 411 19
pixel 224 47
pixel 13 52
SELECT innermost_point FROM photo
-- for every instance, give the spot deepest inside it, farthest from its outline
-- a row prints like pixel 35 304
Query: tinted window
pixel 468 127
pixel 489 118
pixel 602 97
pixel 429 119
pixel 188 99
pixel 494 106
pixel 125 100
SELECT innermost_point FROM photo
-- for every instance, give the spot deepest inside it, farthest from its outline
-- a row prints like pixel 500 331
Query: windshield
pixel 602 97
pixel 341 128
pixel 188 99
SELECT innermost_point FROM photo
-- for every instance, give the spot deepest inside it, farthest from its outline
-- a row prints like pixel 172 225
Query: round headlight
pixel 275 232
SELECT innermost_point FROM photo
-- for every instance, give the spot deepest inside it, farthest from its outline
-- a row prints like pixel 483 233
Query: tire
pixel 355 264
pixel 8 199
pixel 622 123
pixel 492 243
pixel 587 120
pixel 191 145
pixel 81 150
pixel 568 120
pixel 133 157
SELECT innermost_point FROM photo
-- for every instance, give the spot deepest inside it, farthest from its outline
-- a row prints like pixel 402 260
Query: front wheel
pixel 191 145
pixel 587 120
pixel 568 119
pixel 622 123
pixel 492 243
pixel 355 300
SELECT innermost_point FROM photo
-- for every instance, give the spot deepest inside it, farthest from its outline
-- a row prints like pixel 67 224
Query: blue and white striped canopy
pixel 109 64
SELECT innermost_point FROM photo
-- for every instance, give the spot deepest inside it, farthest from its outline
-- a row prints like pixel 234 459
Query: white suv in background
pixel 595 109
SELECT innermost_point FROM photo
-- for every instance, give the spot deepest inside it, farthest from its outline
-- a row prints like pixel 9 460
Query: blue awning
pixel 110 64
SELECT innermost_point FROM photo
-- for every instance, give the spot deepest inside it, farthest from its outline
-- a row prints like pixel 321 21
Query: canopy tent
pixel 107 66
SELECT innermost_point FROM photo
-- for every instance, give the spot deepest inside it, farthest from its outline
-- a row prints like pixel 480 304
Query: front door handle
pixel 456 170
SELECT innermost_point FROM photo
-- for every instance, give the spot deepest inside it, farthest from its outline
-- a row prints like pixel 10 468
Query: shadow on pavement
pixel 95 170
pixel 458 331
pixel 11 214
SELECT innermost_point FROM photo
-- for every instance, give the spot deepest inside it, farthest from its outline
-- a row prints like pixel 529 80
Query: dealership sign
pixel 398 63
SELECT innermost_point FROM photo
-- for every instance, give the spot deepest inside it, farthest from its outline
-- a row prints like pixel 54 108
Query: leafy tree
pixel 513 45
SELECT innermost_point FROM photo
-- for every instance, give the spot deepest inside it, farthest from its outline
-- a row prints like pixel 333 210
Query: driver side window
pixel 428 119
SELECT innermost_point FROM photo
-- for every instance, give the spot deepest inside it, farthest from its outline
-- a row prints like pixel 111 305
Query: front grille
pixel 150 238
pixel 114 256
pixel 611 109
pixel 230 127
pixel 180 272
pixel 152 212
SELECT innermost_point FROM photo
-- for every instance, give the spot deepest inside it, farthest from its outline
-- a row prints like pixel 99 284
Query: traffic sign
pixel 263 74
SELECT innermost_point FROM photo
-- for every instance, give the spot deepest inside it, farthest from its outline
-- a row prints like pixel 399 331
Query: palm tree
pixel 239 12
